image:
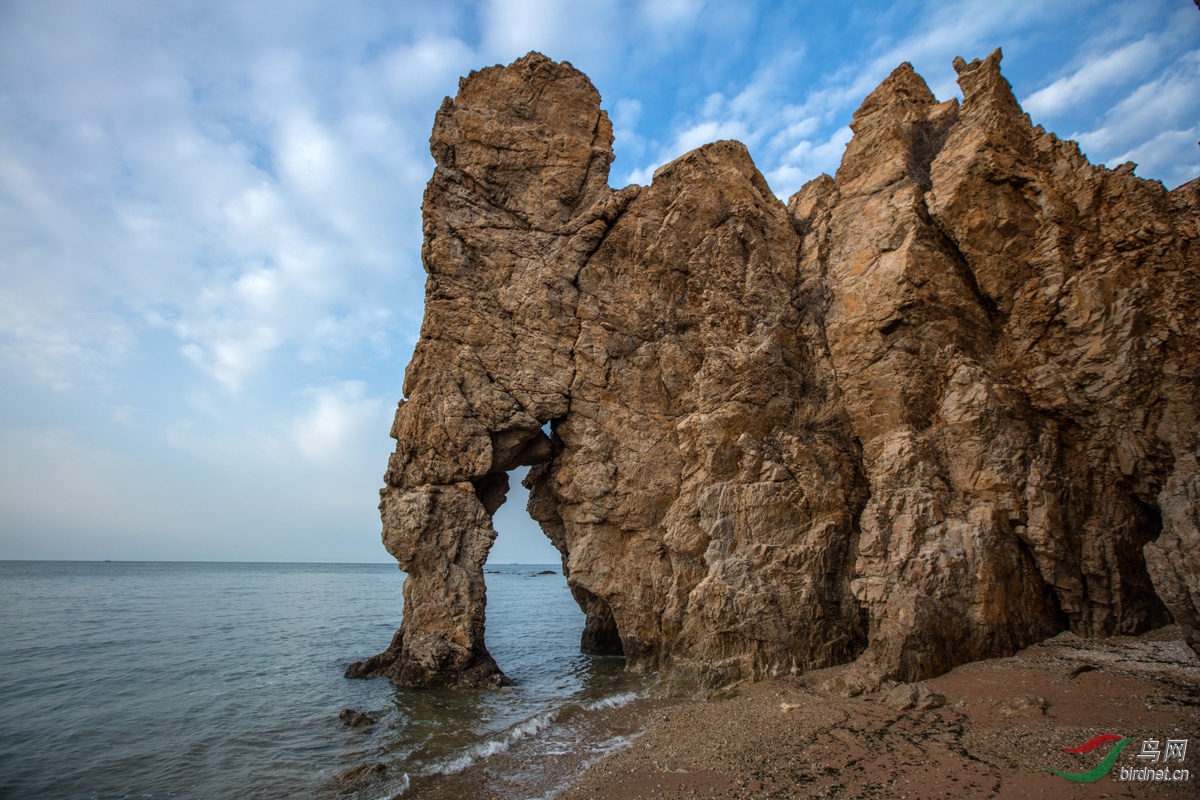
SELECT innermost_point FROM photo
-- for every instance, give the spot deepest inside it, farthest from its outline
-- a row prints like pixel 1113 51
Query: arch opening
pixel 527 456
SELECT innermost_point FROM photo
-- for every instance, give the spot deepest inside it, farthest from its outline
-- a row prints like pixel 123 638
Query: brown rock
pixel 692 463
pixel 1021 705
pixel 354 719
pixel 914 695
pixel 936 408
pixel 360 775
pixel 517 203
pixel 1007 325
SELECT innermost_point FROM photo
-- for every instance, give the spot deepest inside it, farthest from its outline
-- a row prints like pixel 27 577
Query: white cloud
pixel 709 131
pixel 516 25
pixel 207 210
pixel 54 354
pixel 626 113
pixel 803 127
pixel 511 28
pixel 430 66
pixel 747 117
pixel 794 136
pixel 669 14
pixel 641 176
pixel 699 134
pixel 1171 99
pixel 233 355
pixel 628 145
pixel 1173 153
pixel 1154 125
pixel 308 156
pixel 1093 77
pixel 806 160
pixel 249 213
pixel 341 417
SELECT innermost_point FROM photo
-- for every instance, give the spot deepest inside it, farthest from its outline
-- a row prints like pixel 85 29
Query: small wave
pixel 401 789
pixel 613 744
pixel 490 747
pixel 501 743
pixel 616 701
pixel 599 752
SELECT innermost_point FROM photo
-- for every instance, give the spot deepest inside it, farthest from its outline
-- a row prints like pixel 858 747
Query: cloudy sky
pixel 210 278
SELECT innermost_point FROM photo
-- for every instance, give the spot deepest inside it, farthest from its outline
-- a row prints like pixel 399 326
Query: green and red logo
pixel 1100 770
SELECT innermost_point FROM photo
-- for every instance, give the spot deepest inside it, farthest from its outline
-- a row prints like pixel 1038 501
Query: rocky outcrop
pixel 1015 335
pixel 939 407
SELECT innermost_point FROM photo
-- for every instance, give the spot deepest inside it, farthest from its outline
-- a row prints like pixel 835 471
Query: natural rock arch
pixel 931 411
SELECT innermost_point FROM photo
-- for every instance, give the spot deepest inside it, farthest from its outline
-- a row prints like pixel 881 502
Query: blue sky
pixel 210 278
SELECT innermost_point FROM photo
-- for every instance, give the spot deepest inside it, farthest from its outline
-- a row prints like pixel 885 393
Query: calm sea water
pixel 186 680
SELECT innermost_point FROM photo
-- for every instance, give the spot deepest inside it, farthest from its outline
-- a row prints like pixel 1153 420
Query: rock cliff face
pixel 939 407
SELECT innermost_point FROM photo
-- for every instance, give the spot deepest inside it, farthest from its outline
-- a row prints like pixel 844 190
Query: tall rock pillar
pixel 518 200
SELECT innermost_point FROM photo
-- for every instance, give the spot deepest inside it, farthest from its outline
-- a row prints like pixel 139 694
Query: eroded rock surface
pixel 937 408
pixel 1015 335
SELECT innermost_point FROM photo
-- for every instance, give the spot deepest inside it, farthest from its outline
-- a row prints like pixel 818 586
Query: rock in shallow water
pixel 933 410
pixel 354 719
pixel 360 776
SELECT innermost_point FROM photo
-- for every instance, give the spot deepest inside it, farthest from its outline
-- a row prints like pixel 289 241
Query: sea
pixel 223 680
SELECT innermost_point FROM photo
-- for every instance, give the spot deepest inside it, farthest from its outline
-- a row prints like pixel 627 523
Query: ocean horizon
pixel 182 679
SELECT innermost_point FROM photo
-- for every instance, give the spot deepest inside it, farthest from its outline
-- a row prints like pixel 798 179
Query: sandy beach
pixel 991 729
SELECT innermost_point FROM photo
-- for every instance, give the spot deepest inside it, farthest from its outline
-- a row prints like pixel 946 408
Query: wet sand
pixel 987 730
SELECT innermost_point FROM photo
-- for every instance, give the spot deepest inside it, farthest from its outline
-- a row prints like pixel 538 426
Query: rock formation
pixel 939 407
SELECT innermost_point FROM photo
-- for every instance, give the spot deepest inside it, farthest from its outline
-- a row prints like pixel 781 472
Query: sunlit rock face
pixel 936 408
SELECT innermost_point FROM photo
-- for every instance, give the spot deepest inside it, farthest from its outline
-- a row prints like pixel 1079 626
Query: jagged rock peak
pixel 938 408
pixel 981 80
pixel 903 86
